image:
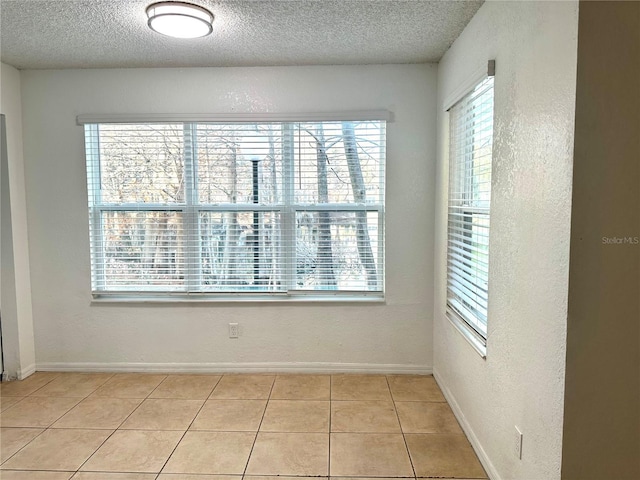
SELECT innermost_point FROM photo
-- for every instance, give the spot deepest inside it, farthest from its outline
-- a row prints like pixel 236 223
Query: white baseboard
pixel 266 367
pixel 26 371
pixel 20 374
pixel 473 439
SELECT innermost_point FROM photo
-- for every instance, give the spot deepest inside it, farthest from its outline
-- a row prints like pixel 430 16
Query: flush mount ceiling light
pixel 179 19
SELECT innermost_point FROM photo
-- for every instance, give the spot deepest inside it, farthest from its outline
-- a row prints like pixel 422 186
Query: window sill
pixel 471 337
pixel 100 299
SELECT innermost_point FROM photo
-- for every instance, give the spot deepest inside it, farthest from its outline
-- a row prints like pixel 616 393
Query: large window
pixel 237 208
pixel 470 150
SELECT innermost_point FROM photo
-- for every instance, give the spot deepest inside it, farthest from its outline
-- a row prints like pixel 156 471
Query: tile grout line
pixel 25 445
pixel 11 406
pixel 404 438
pixel 244 472
pixel 108 436
pixel 121 423
pixel 50 427
pixel 44 429
pixel 190 424
pixel 158 386
pixel 23 397
pixel 130 398
pixel 126 398
pixel 60 375
pixel 135 410
pixel 45 384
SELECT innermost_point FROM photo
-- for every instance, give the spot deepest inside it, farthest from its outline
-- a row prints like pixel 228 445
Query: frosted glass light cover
pixel 179 20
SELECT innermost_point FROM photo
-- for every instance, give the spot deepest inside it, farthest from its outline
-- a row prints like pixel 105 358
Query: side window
pixel 470 158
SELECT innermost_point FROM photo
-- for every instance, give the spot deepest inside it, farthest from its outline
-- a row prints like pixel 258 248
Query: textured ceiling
pixel 113 33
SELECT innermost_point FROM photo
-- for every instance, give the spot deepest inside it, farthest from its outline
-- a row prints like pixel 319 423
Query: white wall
pixel 17 322
pixel 71 331
pixel 522 380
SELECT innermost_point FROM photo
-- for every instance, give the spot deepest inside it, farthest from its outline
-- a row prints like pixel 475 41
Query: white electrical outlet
pixel 518 443
pixel 233 330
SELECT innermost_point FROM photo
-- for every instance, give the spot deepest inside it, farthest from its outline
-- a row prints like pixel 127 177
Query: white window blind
pixel 236 208
pixel 470 150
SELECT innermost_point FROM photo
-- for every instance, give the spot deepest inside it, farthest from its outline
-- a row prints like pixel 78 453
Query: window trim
pixel 242 297
pixel 259 117
pixel 288 209
pixel 468 333
pixel 456 315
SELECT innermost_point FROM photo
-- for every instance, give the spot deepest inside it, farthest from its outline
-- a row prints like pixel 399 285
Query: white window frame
pixel 469 322
pixel 287 210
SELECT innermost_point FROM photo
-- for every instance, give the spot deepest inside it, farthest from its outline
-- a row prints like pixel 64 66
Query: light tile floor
pixel 97 426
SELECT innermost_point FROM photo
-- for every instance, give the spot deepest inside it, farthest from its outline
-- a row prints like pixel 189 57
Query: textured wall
pixel 602 399
pixel 522 380
pixel 70 330
pixel 17 322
